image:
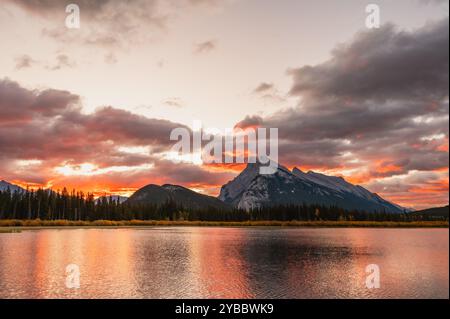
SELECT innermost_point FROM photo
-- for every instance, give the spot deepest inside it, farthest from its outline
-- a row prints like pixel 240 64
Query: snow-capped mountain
pixel 4 185
pixel 251 190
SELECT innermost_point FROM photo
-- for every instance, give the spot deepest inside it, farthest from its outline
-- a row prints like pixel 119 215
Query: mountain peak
pixel 186 198
pixel 250 189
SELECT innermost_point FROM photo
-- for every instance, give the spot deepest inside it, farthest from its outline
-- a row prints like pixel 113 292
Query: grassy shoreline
pixel 12 225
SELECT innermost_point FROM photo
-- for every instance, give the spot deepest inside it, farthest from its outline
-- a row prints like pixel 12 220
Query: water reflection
pixel 225 263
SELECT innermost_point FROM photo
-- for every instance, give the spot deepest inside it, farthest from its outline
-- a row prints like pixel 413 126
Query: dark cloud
pixel 125 127
pixel 372 107
pixel 44 136
pixel 381 65
pixel 18 104
pixel 49 126
pixel 250 121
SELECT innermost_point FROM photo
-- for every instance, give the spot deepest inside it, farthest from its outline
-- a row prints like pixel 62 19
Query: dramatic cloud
pixel 250 121
pixel 19 105
pixel 382 65
pixel 378 108
pixel 428 188
pixel 49 124
pixel 45 139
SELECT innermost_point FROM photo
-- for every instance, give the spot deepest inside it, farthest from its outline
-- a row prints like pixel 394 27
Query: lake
pixel 191 262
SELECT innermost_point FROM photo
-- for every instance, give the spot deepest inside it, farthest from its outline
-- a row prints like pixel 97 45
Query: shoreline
pixel 9 226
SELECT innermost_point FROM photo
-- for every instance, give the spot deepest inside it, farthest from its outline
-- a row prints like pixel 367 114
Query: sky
pixel 92 108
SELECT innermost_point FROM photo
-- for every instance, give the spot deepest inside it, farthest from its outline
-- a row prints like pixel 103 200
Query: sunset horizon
pixel 234 169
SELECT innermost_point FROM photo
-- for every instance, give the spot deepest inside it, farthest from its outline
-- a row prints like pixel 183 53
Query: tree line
pixel 77 205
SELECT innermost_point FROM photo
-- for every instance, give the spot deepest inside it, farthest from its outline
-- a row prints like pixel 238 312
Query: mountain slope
pixel 438 212
pixel 13 188
pixel 158 195
pixel 251 190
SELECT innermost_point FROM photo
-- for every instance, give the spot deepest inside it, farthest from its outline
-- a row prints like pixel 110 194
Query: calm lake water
pixel 225 263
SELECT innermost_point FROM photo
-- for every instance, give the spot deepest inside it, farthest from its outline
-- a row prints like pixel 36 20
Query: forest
pixel 76 205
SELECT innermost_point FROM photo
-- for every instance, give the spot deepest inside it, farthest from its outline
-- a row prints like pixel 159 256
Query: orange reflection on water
pixel 217 258
pixel 44 262
pixel 224 263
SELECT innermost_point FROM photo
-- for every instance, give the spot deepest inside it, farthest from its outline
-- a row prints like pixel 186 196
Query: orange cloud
pixel 443 147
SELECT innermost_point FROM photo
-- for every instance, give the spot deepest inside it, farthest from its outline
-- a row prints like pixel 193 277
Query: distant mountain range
pixel 252 190
pixel 438 212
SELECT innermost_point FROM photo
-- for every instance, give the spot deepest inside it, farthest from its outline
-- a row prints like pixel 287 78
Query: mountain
pixel 435 213
pixel 158 195
pixel 13 188
pixel 116 198
pixel 251 190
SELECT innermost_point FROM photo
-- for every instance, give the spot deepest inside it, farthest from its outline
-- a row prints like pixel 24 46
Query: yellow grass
pixel 145 223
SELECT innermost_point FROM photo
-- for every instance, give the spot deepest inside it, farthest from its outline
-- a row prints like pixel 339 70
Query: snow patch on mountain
pixel 250 190
pixel 338 184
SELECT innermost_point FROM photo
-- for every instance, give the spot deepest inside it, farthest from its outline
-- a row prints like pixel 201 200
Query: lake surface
pixel 225 263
